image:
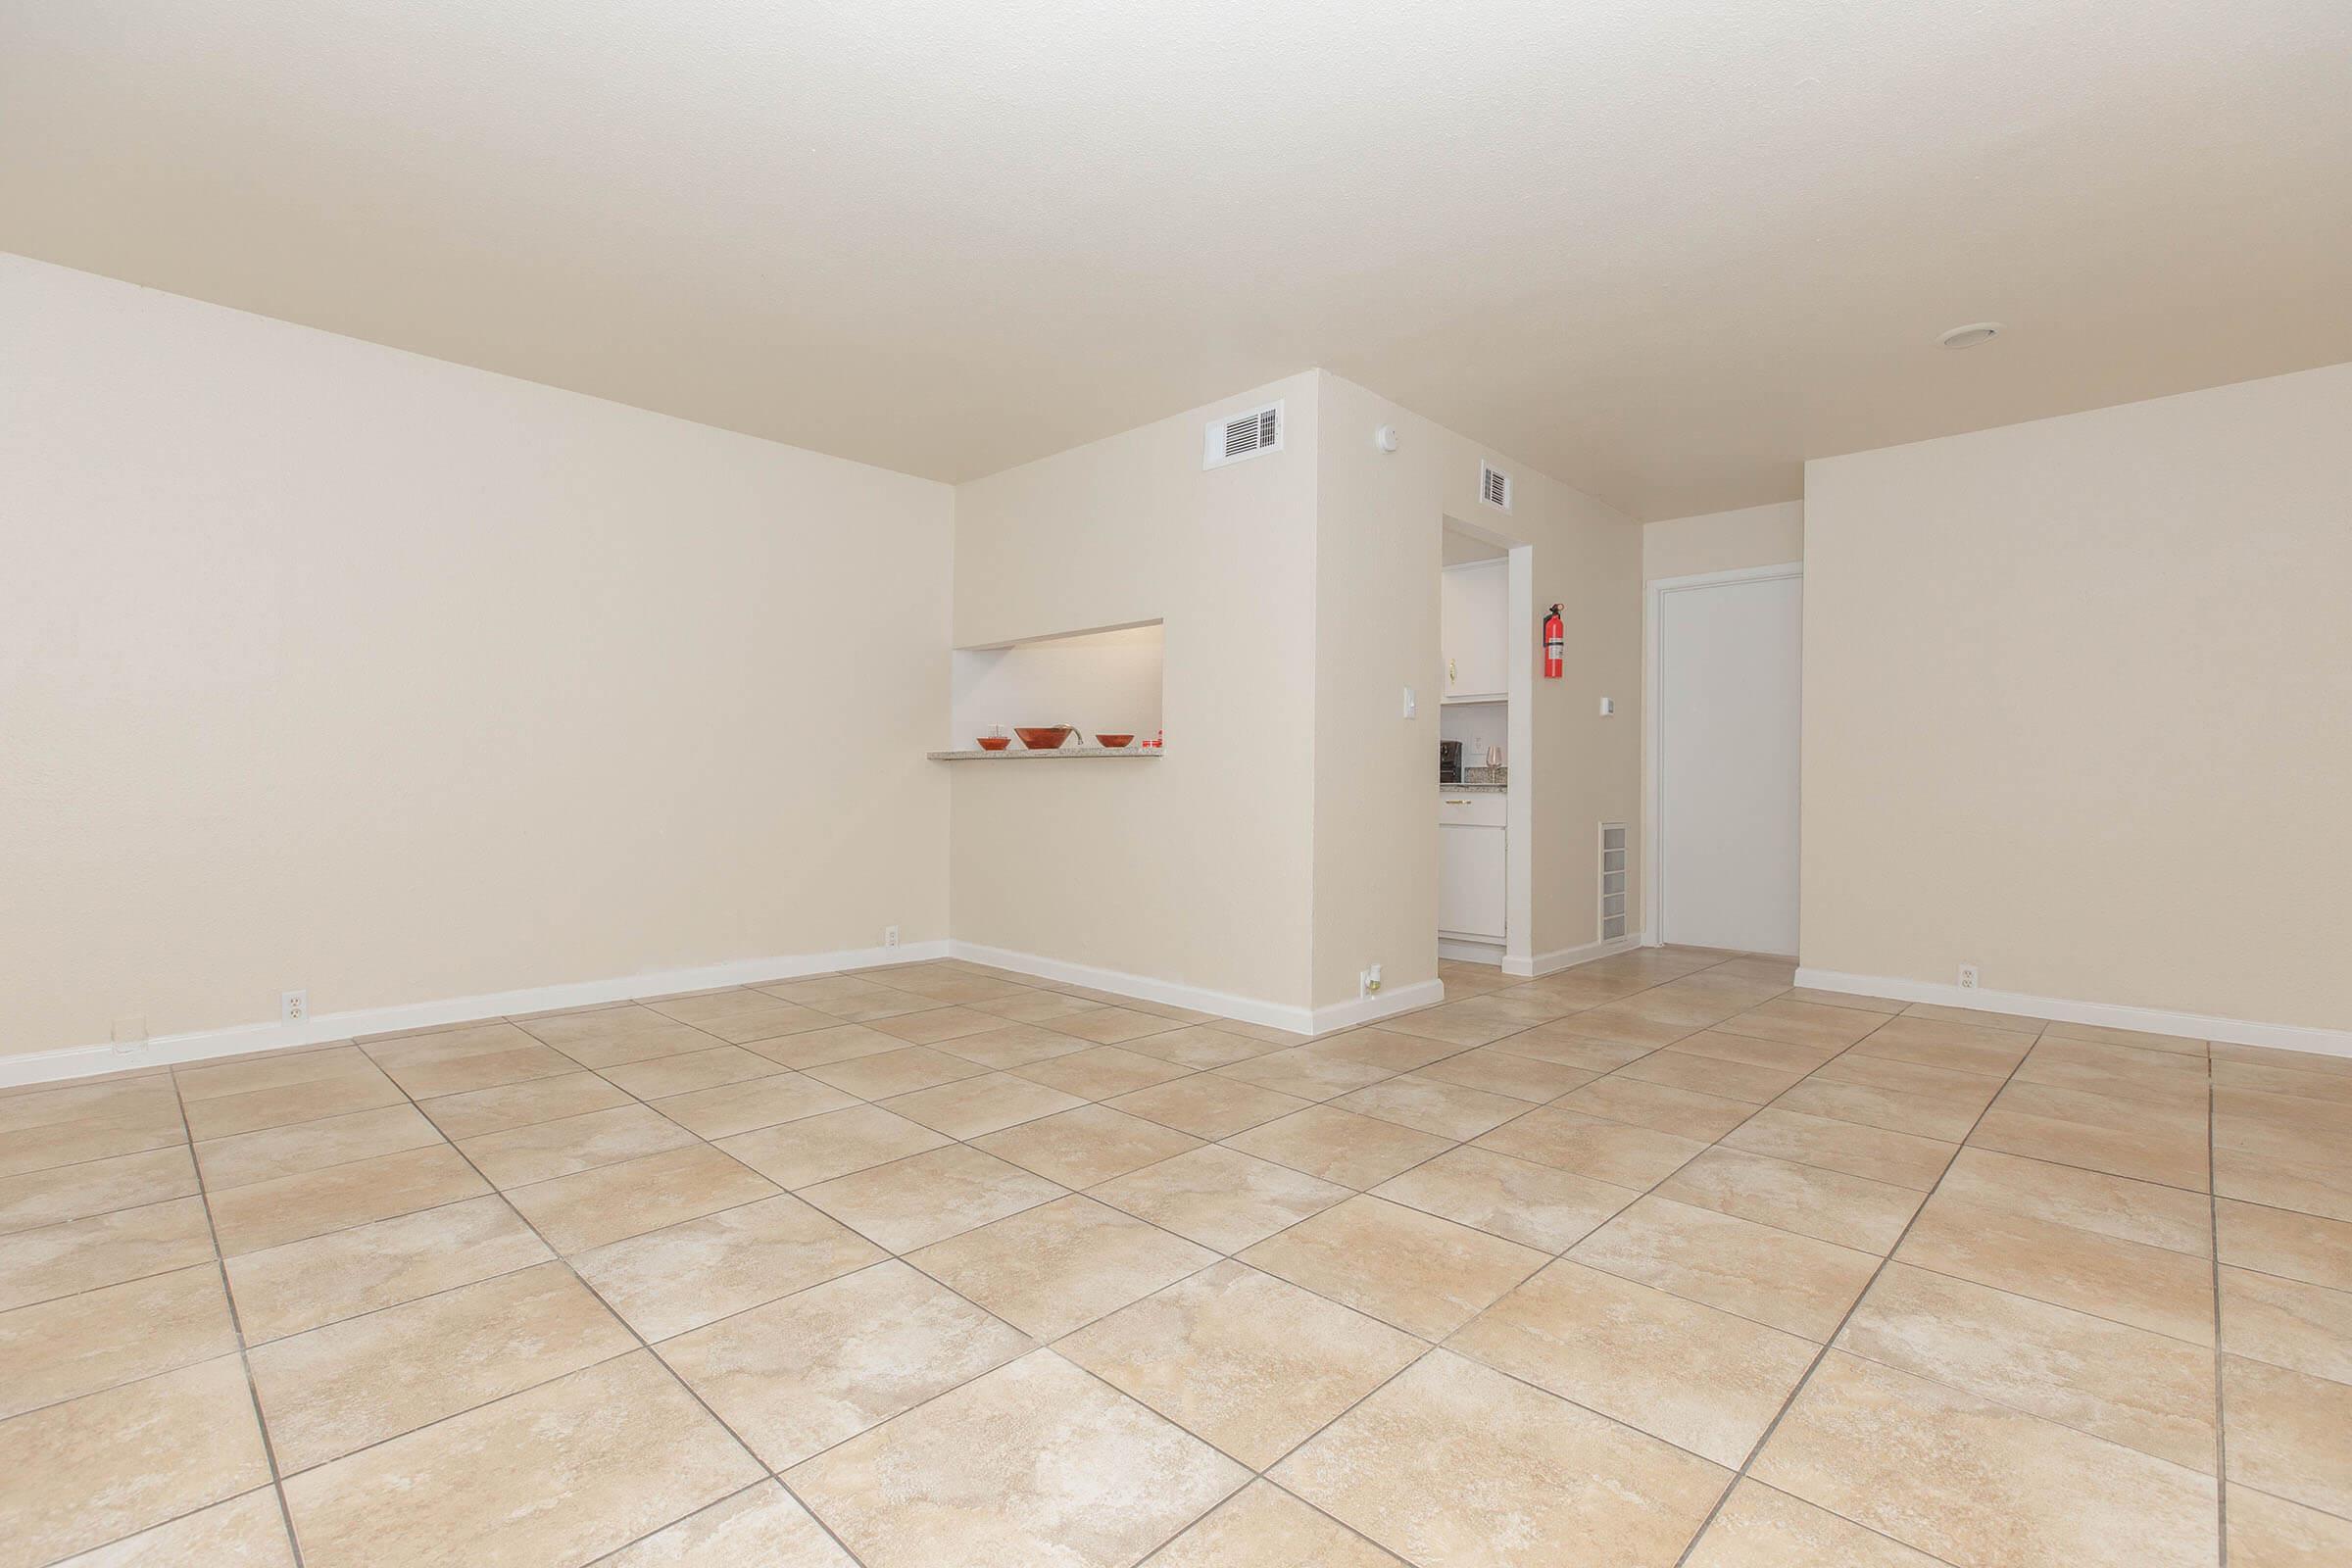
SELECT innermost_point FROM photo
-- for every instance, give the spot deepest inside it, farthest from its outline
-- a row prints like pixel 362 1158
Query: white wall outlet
pixel 889 936
pixel 1608 708
pixel 1368 983
pixel 293 1007
pixel 1968 977
pixel 1412 705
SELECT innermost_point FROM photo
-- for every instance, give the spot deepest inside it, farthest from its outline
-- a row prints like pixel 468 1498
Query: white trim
pixel 1559 958
pixel 81 1062
pixel 1168 993
pixel 2106 1014
pixel 1653 826
pixel 1463 950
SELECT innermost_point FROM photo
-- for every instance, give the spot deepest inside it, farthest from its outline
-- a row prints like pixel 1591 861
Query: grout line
pixel 236 1325
pixel 2221 1399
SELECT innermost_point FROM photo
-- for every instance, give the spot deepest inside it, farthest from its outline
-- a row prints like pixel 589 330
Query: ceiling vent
pixel 1243 435
pixel 1495 487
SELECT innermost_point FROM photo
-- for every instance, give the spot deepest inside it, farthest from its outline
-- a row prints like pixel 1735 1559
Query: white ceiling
pixel 1663 248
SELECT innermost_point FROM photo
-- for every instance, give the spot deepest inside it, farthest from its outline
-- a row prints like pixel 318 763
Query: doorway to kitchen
pixel 1486 726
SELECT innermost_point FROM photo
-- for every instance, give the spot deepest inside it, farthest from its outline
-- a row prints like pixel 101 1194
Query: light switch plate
pixel 1412 706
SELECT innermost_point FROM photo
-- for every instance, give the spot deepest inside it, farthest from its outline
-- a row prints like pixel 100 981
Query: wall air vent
pixel 1495 487
pixel 1243 435
pixel 1613 850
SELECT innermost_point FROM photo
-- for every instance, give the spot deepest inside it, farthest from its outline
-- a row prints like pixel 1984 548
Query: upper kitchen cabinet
pixel 1474 628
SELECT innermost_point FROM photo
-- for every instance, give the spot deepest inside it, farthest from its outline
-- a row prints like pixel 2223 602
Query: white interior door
pixel 1726 751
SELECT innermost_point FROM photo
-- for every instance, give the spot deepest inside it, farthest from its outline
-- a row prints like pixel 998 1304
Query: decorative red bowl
pixel 1044 740
pixel 995 742
pixel 1114 742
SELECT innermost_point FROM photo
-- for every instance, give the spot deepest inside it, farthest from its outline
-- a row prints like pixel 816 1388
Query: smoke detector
pixel 1968 336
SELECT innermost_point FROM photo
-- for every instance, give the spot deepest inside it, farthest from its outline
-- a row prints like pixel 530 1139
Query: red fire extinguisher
pixel 1555 644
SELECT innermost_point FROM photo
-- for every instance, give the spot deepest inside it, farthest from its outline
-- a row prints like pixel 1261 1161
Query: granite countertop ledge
pixel 1058 754
pixel 1473 789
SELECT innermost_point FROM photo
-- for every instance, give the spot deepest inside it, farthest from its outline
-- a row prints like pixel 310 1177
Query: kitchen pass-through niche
pixel 1100 682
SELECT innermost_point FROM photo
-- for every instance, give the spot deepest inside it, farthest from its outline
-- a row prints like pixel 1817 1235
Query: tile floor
pixel 1653 1261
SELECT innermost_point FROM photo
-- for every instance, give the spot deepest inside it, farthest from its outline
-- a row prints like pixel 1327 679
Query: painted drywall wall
pixel 1194 868
pixel 2079 705
pixel 1724 541
pixel 327 665
pixel 1378 520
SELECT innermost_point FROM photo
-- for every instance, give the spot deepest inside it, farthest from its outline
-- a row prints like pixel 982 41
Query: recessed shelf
pixel 1060 754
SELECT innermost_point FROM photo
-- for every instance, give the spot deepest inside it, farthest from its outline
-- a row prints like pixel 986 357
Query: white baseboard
pixel 1248 1010
pixel 1559 958
pixel 2105 1014
pixel 1463 950
pixel 81 1062
pixel 1387 1004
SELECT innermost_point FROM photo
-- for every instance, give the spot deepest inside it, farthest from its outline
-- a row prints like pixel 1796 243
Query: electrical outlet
pixel 293 1007
pixel 1368 983
pixel 1968 977
pixel 889 936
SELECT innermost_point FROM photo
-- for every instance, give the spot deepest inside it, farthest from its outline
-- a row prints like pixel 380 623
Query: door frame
pixel 1653 788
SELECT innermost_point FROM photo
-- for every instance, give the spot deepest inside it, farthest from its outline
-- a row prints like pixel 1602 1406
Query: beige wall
pixel 1194 869
pixel 327 665
pixel 1378 520
pixel 2079 705
pixel 1724 541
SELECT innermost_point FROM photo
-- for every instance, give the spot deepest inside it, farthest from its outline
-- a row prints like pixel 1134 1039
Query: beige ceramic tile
pixel 77 1344
pixel 2174 1153
pixel 766 1101
pixel 895 1072
pixel 337 1389
pixel 2148 1286
pixel 1716 1077
pixel 2282 1242
pixel 1501 1072
pixel 1111 1026
pixel 189 1438
pixel 2267 1532
pixel 247 1532
pixel 304 1285
pixel 664 1076
pixel 1423 1274
pixel 2284 1167
pixel 1761 1527
pixel 271 1213
pixel 1100 1072
pixel 762 1526
pixel 1050 1269
pixel 683 1276
pixel 1701 1379
pixel 1537 1205
pixel 776 1021
pixel 548 1150
pixel 1948 1042
pixel 1810 1024
pixel 1683 1112
pixel 1888 1110
pixel 1613 1151
pixel 2093 1201
pixel 818 1148
pixel 817 1047
pixel 96 1187
pixel 804 1372
pixel 2286 1434
pixel 1897 1158
pixel 989 1102
pixel 1250 1363
pixel 1433 1462
pixel 86 1122
pixel 1264 1526
pixel 2287 1323
pixel 87 1254
pixel 311 1146
pixel 1036 1007
pixel 1207 1104
pixel 2179 1044
pixel 511 1105
pixel 1829 1205
pixel 1036 1462
pixel 610 1037
pixel 613 1201
pixel 1014 1045
pixel 1973 1482
pixel 929 1197
pixel 2142 1389
pixel 1434 1105
pixel 1747 1050
pixel 936 1026
pixel 844 995
pixel 627 1448
pixel 1306 1071
pixel 1790 1282
pixel 257 1109
pixel 1338 1145
pixel 1089 1144
pixel 1220 1198
pixel 468 1061
pixel 1202 1047
pixel 273 1070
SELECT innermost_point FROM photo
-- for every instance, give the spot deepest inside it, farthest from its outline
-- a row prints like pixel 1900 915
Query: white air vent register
pixel 1243 435
pixel 1495 487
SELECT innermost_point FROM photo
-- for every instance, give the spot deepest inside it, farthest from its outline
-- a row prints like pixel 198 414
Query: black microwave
pixel 1449 761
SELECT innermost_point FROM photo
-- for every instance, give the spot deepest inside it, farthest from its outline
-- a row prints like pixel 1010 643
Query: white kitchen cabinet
pixel 1474 628
pixel 1470 867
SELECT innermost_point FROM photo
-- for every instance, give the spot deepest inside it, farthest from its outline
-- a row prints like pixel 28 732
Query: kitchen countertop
pixel 1473 789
